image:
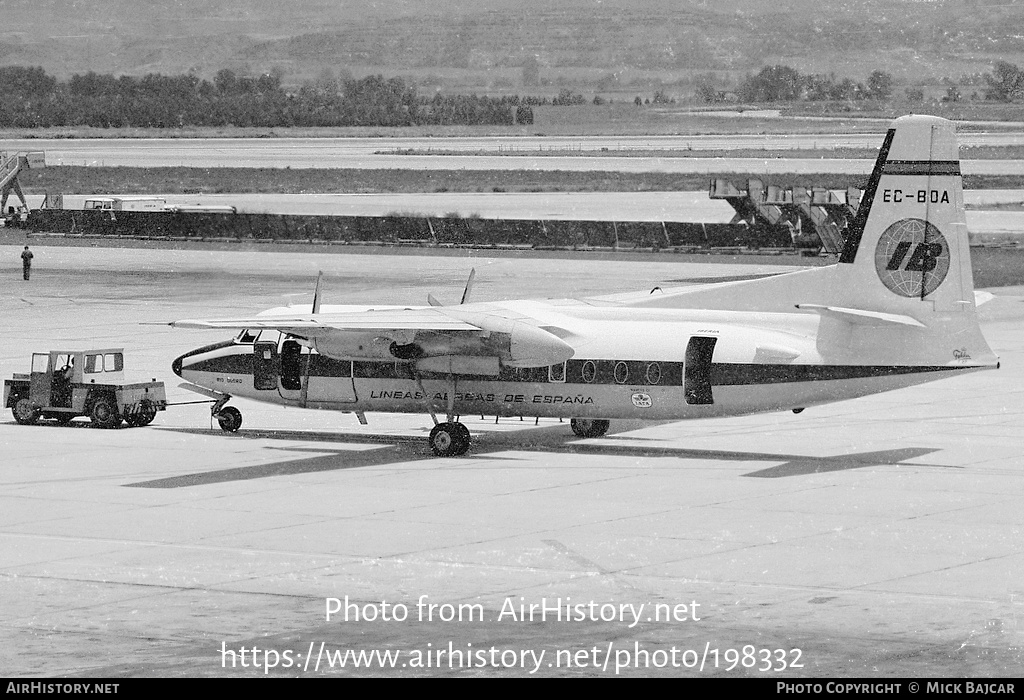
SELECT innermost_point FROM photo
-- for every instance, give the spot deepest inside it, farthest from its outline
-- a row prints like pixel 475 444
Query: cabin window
pixel 653 373
pixel 556 373
pixel 589 371
pixel 621 372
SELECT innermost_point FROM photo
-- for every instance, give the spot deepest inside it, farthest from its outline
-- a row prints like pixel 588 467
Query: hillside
pixel 596 46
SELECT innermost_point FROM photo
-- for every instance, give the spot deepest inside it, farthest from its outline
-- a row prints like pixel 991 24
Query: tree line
pixel 785 84
pixel 30 98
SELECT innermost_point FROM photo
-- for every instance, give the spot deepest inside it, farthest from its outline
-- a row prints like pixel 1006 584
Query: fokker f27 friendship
pixel 897 309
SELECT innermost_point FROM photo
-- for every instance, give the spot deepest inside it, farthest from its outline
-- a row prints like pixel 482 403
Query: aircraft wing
pixel 303 324
pixel 412 334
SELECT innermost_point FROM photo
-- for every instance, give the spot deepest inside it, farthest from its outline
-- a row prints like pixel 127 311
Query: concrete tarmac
pixel 879 537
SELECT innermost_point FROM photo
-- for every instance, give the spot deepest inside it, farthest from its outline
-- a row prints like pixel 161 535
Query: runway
pixel 499 153
pixel 875 538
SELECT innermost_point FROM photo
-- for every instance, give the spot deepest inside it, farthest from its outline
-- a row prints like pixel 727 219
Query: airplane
pixel 897 309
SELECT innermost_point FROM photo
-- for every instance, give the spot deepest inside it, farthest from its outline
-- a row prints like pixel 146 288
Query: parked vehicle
pixel 65 384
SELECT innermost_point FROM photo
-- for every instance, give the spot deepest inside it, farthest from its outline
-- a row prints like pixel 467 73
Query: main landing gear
pixel 449 439
pixel 589 427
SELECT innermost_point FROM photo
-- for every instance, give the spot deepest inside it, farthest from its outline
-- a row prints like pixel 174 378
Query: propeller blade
pixel 469 286
pixel 316 292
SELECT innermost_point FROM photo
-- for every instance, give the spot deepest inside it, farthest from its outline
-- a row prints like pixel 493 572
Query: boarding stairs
pixel 10 165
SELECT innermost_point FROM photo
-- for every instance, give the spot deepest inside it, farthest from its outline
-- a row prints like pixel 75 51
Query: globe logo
pixel 912 258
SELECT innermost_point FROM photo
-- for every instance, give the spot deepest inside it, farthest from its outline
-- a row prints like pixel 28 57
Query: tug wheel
pixel 103 414
pixel 144 416
pixel 229 419
pixel 24 412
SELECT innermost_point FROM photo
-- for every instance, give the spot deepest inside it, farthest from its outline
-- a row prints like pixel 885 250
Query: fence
pixel 402 230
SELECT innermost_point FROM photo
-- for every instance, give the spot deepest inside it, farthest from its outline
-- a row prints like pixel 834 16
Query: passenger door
pixel 264 365
pixel 697 370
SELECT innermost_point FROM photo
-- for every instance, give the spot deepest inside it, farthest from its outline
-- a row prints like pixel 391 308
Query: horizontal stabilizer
pixel 862 316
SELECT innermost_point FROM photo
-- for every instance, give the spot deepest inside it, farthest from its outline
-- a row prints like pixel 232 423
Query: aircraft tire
pixel 229 419
pixel 589 427
pixel 464 438
pixel 449 439
pixel 24 412
pixel 103 414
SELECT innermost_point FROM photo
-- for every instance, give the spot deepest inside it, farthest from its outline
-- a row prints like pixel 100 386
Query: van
pixel 126 203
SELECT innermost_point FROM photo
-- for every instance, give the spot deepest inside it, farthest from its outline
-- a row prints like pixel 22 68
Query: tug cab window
pixel 247 337
pixel 110 362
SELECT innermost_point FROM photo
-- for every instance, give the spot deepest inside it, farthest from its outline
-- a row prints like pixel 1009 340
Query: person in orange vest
pixel 26 262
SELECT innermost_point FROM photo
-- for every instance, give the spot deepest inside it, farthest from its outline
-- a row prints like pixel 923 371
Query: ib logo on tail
pixel 912 258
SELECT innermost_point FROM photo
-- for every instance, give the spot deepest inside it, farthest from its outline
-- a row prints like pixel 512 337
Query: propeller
pixel 433 301
pixel 317 291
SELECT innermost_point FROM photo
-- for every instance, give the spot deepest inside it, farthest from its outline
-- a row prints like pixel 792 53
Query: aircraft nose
pixel 194 359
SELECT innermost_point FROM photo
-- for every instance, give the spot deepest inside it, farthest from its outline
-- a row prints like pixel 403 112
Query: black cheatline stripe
pixel 856 229
pixel 724 374
pixel 921 167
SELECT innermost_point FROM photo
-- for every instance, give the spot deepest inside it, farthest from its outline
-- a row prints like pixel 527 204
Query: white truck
pixel 126 204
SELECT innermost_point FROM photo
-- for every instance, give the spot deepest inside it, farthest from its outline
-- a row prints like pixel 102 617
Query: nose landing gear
pixel 228 418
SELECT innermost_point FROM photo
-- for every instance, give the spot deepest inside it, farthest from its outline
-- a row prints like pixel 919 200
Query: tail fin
pixel 907 249
pixel 902 292
pixel 905 256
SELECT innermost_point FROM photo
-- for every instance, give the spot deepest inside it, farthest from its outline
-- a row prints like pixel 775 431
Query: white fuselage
pixel 656 364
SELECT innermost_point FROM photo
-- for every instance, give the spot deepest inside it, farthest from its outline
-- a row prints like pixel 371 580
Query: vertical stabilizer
pixel 907 249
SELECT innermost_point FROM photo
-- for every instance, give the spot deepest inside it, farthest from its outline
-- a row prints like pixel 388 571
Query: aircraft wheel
pixel 103 414
pixel 449 439
pixel 463 437
pixel 589 428
pixel 229 419
pixel 24 412
pixel 144 416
